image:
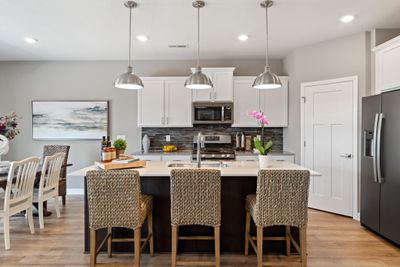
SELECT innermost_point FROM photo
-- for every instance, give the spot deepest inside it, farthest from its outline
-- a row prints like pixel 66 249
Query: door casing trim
pixel 356 163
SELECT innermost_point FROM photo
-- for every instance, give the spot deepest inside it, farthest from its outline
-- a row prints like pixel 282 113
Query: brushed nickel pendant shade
pixel 129 80
pixel 198 80
pixel 267 79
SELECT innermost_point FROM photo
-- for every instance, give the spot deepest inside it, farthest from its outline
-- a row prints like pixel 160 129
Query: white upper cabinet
pixel 178 104
pixel 247 99
pixel 164 102
pixel 274 103
pixel 387 60
pixel 222 79
pixel 151 103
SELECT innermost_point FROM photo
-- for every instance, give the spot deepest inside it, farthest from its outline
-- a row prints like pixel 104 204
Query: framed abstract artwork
pixel 70 120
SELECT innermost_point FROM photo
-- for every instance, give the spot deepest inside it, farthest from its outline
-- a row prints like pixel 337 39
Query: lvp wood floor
pixel 332 241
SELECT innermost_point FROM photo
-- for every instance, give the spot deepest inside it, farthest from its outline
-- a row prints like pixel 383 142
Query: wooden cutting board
pixel 118 166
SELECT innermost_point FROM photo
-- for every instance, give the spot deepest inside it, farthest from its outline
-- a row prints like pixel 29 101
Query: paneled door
pixel 329 125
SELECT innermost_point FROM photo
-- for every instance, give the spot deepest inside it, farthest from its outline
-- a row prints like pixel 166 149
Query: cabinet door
pixel 223 86
pixel 387 67
pixel 274 104
pixel 204 94
pixel 151 103
pixel 287 158
pixel 246 99
pixel 178 105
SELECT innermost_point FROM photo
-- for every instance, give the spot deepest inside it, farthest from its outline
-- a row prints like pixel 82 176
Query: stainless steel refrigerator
pixel 380 165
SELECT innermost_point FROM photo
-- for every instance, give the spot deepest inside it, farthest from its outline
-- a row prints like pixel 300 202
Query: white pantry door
pixel 330 142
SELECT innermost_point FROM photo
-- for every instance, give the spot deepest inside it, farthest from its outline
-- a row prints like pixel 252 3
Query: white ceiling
pixel 97 29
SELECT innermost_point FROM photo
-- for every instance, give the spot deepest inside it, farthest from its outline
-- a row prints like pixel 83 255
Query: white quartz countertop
pixel 156 153
pixel 230 168
pixel 189 152
pixel 272 153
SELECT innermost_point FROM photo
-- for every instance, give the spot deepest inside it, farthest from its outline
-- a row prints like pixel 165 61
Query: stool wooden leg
pixel 93 247
pixel 109 242
pixel 303 246
pixel 287 240
pixel 174 245
pixel 150 232
pixel 217 246
pixel 259 246
pixel 138 236
pixel 247 234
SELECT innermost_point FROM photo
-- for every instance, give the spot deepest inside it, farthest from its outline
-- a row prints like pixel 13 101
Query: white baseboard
pixel 357 216
pixel 75 191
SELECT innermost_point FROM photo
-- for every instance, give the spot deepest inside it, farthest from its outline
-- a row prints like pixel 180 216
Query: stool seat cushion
pixel 146 206
pixel 251 206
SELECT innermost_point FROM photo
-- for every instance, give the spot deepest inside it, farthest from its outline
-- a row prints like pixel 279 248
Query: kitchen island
pixel 239 178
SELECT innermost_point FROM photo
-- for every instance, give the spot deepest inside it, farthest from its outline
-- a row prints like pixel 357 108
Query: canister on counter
pixel 248 143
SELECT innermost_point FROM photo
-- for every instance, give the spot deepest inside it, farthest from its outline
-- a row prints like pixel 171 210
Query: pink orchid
pixel 260 117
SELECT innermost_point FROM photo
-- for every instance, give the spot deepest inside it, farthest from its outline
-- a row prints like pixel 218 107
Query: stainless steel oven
pixel 212 113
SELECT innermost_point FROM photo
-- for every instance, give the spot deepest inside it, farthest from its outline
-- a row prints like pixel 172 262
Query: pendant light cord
pixel 130 36
pixel 198 37
pixel 267 39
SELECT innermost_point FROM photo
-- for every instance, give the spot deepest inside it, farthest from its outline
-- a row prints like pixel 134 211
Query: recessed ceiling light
pixel 347 18
pixel 31 40
pixel 243 37
pixel 142 38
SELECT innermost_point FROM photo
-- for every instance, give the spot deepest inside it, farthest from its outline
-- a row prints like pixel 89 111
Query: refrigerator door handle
pixel 378 149
pixel 374 148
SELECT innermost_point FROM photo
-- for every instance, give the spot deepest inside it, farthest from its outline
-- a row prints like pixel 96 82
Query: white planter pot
pixel 264 161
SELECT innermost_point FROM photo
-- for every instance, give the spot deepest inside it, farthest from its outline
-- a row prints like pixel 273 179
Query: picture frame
pixel 70 119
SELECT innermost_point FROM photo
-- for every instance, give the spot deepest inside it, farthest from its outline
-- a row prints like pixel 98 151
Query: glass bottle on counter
pixel 106 154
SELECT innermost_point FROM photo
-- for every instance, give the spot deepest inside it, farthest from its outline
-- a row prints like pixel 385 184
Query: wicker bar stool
pixel 281 199
pixel 195 200
pixel 115 200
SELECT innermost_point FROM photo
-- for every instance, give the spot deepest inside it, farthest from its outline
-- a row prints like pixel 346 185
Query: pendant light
pixel 198 80
pixel 129 80
pixel 267 79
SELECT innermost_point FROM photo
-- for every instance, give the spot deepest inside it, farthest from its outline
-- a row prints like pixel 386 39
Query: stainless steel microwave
pixel 212 113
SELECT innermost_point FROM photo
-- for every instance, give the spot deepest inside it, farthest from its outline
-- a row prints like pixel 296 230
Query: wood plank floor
pixel 332 241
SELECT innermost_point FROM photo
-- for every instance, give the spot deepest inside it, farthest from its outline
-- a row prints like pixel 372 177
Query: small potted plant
pixel 262 147
pixel 120 145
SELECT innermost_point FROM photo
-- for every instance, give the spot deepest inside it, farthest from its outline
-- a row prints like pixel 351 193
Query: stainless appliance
pixel 212 113
pixel 380 165
pixel 214 147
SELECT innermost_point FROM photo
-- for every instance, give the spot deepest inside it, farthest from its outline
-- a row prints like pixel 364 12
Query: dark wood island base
pixel 233 193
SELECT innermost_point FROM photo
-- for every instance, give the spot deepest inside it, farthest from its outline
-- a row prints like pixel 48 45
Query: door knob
pixel 347 156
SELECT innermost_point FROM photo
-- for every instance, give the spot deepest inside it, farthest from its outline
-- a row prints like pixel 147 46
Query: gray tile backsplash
pixel 183 137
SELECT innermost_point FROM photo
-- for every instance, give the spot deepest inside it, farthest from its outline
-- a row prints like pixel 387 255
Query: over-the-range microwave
pixel 212 113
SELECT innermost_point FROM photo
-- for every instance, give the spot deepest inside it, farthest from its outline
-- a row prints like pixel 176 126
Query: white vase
pixel 146 143
pixel 264 161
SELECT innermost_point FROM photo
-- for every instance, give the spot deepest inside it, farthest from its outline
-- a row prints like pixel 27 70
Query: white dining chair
pixel 19 194
pixel 48 185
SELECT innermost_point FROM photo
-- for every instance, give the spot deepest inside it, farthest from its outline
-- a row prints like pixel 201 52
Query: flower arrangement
pixel 8 126
pixel 262 147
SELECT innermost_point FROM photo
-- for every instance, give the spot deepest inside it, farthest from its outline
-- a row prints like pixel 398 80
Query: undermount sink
pixel 180 165
pixel 194 164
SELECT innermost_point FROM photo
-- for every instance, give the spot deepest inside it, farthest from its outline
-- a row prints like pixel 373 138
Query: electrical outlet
pixel 168 138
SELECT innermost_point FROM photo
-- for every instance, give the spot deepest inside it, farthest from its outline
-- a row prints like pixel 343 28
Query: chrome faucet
pixel 200 145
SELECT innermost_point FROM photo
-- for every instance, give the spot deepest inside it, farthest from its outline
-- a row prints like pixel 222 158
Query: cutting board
pixel 118 166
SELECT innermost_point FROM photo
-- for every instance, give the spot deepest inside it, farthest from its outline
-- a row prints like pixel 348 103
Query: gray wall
pixel 342 57
pixel 22 82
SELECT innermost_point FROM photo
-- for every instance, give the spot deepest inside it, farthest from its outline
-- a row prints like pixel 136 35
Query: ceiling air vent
pixel 178 46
